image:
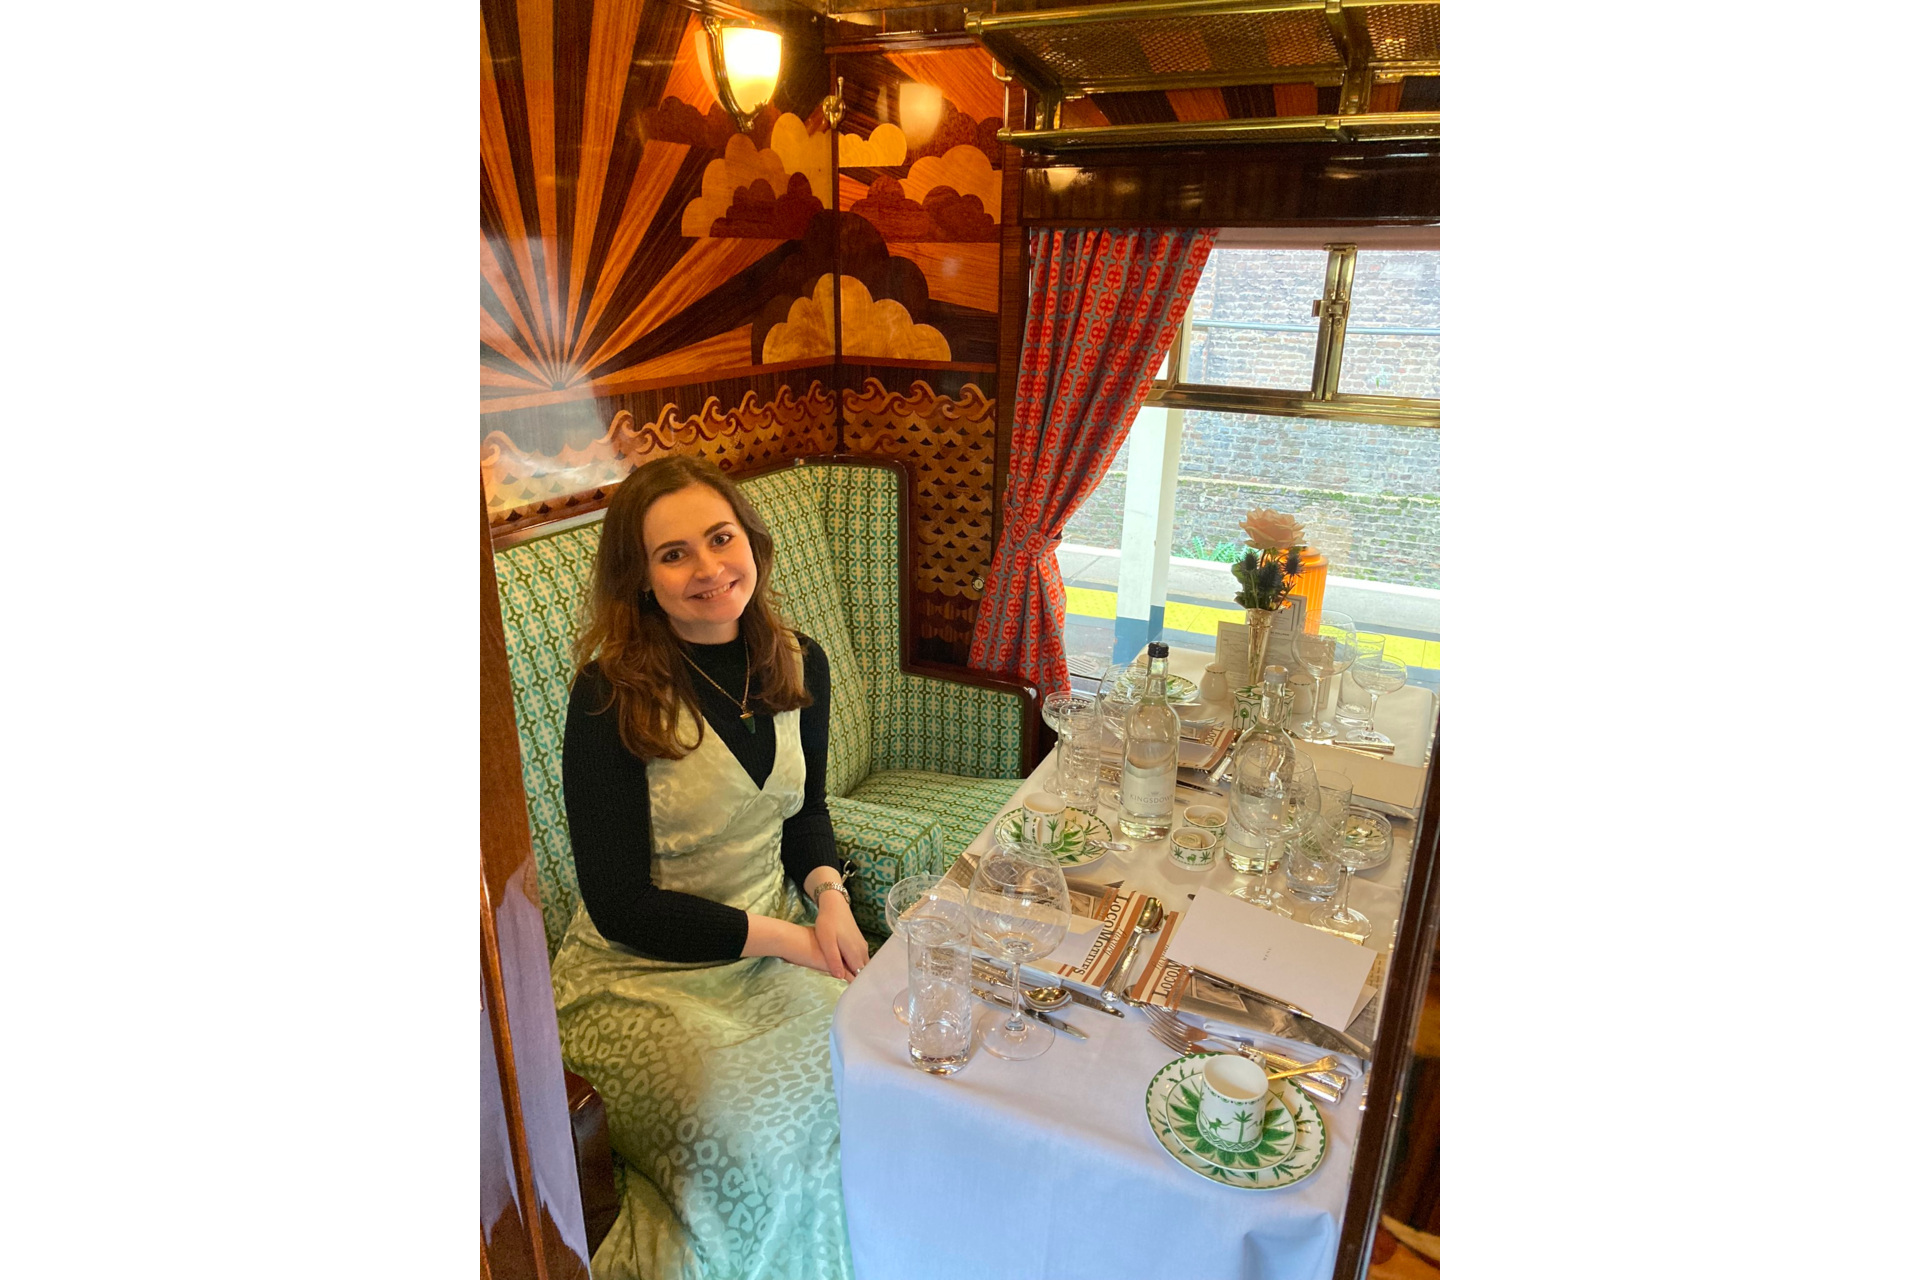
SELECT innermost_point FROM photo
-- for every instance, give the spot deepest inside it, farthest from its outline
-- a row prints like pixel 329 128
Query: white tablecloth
pixel 933 1167
pixel 1047 1168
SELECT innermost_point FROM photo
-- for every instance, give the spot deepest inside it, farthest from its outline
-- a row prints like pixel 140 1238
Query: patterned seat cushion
pixel 811 600
pixel 542 586
pixel 882 845
pixel 961 806
pixel 939 726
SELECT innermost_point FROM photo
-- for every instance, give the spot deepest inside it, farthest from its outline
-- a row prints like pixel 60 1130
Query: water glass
pixel 906 893
pixel 1078 760
pixel 1312 870
pixel 939 987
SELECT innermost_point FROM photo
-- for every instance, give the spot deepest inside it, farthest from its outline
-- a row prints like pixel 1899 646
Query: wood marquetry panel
pixel 524 487
pixel 947 443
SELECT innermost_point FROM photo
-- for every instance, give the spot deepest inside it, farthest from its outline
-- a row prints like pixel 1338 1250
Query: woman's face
pixel 699 563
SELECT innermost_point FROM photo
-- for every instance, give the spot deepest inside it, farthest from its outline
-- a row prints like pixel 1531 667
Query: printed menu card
pixel 1317 971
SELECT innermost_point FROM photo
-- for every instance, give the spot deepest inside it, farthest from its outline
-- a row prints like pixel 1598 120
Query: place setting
pixel 1220 1116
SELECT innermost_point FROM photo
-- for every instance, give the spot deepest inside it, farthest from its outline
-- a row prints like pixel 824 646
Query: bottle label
pixel 1147 794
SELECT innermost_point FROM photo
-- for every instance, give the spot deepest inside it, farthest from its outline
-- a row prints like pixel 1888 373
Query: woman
pixel 692 989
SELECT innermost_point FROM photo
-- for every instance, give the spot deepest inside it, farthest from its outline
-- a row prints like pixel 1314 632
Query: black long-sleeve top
pixel 609 809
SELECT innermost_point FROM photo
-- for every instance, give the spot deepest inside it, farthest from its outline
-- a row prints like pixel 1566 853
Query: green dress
pixel 716 1077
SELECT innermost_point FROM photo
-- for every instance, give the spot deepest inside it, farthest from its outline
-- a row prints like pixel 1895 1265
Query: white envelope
pixel 1276 956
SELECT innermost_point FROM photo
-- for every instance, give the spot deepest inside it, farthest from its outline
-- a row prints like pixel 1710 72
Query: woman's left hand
pixel 840 939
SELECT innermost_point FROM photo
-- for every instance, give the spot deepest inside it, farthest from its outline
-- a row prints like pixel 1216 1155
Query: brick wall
pixel 1368 493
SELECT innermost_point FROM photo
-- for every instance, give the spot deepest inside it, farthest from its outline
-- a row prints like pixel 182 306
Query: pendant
pixel 747 716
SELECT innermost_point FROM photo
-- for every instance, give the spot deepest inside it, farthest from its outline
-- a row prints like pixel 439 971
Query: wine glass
pixel 1327 652
pixel 1055 710
pixel 1021 910
pixel 1377 674
pixel 902 898
pixel 1346 706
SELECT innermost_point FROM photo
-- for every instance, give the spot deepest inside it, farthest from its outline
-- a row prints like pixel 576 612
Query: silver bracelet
pixel 832 886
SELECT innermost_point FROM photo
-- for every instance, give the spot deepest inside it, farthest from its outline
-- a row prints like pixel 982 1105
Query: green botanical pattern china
pixel 1070 849
pixel 1182 1103
pixel 1179 688
pixel 1310 1136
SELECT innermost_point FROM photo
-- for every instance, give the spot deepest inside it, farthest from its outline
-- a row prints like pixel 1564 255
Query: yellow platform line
pixel 1204 620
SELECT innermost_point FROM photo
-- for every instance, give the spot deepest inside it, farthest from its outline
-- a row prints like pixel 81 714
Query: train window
pixel 1327 412
pixel 1251 320
pixel 1368 494
pixel 1392 343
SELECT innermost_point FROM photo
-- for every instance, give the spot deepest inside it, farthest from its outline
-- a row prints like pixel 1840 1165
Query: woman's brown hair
pixel 627 633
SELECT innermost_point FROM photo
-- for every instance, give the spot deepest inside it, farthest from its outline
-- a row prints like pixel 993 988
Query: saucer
pixel 1072 849
pixel 1180 1102
pixel 1309 1148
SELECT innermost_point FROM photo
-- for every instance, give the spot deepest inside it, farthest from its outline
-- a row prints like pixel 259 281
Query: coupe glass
pixel 1377 674
pixel 906 891
pixel 1326 652
pixel 1020 910
pixel 1055 711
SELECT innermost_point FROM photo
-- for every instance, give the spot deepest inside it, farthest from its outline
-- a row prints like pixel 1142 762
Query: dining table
pixel 1049 1167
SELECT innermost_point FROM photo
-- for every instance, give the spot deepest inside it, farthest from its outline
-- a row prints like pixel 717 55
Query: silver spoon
pixel 1045 999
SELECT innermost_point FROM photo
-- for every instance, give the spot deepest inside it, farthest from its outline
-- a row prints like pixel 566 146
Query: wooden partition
pixel 531 1223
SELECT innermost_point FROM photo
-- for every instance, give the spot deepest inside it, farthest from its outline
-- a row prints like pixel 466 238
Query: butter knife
pixel 1064 1028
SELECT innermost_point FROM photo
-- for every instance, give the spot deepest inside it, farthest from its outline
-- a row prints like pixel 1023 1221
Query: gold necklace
pixel 746 716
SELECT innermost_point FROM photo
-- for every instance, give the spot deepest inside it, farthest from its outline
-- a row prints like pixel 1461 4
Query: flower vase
pixel 1259 628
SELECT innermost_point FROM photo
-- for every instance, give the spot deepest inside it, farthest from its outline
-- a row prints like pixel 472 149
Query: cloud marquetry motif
pixel 883 329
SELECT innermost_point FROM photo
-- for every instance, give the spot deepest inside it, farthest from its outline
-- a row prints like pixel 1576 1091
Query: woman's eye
pixel 722 539
pixel 669 557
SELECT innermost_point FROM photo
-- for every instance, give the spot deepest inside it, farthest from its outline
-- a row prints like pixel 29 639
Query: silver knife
pixel 1064 1028
pixel 1028 978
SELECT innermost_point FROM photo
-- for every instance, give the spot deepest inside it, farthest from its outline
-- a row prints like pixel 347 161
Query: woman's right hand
pixel 794 943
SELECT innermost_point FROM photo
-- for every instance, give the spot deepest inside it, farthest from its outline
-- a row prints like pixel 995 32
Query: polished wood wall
pixel 654 279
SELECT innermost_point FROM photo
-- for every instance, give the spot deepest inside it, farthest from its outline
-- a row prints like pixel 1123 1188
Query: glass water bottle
pixel 1149 756
pixel 1262 763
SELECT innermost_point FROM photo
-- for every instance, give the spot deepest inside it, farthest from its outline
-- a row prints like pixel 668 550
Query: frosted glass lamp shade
pixel 747 68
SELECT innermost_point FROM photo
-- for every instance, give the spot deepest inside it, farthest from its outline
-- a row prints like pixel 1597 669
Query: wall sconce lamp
pixel 746 67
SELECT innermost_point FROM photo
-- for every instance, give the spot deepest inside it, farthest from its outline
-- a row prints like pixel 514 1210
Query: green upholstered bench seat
pixel 916 764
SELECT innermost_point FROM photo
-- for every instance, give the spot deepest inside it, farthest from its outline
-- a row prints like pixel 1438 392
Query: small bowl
pixel 1207 818
pixel 1193 848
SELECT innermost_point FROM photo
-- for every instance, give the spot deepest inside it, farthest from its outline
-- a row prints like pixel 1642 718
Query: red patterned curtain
pixel 1103 308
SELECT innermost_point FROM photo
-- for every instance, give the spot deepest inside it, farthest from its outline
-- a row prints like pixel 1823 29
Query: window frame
pixel 1323 399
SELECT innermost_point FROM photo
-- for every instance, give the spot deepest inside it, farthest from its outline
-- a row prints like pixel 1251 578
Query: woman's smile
pixel 699 563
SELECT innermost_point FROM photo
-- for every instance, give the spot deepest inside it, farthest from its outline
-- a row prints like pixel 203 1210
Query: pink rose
pixel 1272 530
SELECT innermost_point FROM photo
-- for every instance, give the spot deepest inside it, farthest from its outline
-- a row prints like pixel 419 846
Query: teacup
pixel 1041 818
pixel 1193 847
pixel 1233 1102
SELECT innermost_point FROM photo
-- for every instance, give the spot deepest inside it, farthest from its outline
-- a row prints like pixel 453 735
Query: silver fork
pixel 1175 1034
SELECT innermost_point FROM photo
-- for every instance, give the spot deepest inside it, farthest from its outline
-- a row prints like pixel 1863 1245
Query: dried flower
pixel 1272 531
